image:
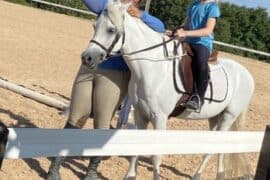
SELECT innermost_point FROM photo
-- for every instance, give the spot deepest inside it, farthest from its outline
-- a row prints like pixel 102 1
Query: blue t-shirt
pixel 118 63
pixel 198 14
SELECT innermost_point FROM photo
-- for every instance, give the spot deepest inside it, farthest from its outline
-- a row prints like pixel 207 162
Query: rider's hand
pixel 134 11
pixel 181 33
pixel 169 32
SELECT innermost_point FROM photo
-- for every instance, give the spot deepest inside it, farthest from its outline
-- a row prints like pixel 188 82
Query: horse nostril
pixel 102 55
pixel 89 59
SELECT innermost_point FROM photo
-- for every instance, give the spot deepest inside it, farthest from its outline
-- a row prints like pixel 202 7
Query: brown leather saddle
pixel 186 71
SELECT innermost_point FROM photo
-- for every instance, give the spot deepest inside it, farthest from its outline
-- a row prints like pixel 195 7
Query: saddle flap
pixel 219 79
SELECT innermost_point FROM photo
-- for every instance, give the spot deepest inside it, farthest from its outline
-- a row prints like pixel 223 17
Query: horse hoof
pixel 196 177
pixel 130 178
pixel 220 176
pixel 156 177
pixel 53 176
pixel 91 176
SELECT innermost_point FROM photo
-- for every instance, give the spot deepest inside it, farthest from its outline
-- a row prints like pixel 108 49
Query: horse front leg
pixel 159 122
pixel 141 123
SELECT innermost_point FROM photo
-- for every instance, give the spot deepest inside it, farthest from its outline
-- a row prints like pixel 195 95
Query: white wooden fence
pixel 30 143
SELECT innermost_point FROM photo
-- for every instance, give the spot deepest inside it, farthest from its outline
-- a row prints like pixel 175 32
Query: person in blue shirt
pixel 105 87
pixel 198 30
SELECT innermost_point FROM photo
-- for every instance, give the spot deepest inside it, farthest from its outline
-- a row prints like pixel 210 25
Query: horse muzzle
pixel 92 58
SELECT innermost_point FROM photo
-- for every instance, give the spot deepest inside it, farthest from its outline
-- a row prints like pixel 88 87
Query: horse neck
pixel 149 77
pixel 139 36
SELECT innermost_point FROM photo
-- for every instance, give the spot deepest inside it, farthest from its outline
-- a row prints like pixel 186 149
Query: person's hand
pixel 169 33
pixel 134 11
pixel 181 33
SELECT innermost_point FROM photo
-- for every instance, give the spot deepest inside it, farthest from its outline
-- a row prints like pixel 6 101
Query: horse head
pixel 109 34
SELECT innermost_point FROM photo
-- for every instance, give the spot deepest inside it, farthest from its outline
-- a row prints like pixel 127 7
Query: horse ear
pixel 125 6
pixel 113 1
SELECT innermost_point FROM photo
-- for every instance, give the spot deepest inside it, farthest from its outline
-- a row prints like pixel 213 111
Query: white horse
pixel 152 85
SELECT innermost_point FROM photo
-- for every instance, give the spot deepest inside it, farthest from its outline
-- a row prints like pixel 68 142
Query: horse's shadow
pixel 172 169
pixel 22 121
pixel 69 164
pixel 52 92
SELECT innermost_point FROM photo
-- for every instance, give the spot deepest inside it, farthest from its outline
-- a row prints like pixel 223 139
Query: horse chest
pixel 145 108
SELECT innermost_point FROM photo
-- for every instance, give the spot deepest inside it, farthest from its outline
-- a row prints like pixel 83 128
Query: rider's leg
pixel 79 111
pixel 200 74
pixel 109 91
pixel 203 55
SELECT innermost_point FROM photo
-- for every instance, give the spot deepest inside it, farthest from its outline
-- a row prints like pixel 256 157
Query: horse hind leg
pixel 221 122
pixel 141 123
pixel 234 165
pixel 213 124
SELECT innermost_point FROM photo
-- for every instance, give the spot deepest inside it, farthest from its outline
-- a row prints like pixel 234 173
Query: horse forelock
pixel 114 12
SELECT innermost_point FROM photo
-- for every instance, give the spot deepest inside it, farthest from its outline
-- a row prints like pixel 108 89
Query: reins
pixel 150 48
pixel 109 50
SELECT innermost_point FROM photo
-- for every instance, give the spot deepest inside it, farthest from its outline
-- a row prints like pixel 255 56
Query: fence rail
pixel 148 5
pixel 30 143
pixel 242 48
pixel 64 7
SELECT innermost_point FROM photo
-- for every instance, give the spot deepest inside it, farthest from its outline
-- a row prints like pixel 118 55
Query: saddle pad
pixel 219 79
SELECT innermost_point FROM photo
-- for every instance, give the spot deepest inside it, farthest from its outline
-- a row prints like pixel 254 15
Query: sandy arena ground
pixel 41 50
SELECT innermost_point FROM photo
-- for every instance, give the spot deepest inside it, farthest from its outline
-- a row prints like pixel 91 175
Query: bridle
pixel 108 50
pixel 109 53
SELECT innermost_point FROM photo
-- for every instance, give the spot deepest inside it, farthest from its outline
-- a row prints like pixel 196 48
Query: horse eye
pixel 112 30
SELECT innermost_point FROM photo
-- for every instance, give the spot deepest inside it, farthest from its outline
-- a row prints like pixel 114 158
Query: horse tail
pixel 236 165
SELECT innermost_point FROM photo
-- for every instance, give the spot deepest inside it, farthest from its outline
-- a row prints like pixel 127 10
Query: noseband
pixel 109 50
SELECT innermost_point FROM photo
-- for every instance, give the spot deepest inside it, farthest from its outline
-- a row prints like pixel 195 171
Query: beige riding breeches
pixel 104 89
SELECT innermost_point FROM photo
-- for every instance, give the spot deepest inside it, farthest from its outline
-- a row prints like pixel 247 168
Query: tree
pixel 172 12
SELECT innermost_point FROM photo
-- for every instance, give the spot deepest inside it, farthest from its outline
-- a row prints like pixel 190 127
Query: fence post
pixel 263 167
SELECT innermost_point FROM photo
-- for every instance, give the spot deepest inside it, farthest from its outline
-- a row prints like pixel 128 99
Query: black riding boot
pixel 53 173
pixel 92 168
pixel 197 99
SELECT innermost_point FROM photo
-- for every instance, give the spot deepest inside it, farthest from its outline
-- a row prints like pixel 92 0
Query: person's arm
pixel 153 22
pixel 206 31
pixel 95 6
pixel 212 17
pixel 149 20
